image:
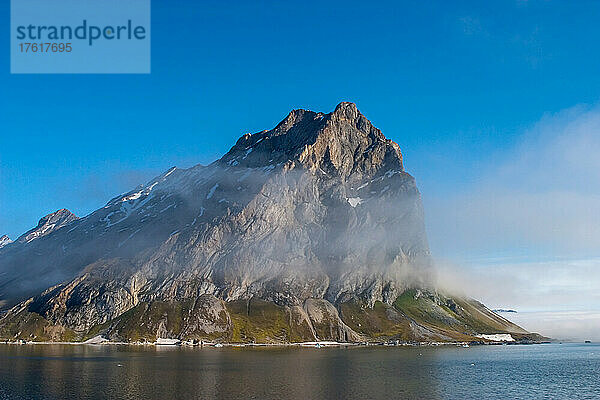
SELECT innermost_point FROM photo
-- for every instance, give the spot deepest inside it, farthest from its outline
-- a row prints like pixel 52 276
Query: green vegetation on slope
pixel 258 321
pixel 451 315
pixel 33 327
pixel 379 322
pixel 415 316
pixel 186 319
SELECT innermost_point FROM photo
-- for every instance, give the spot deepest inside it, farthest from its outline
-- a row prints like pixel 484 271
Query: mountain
pixel 4 240
pixel 33 250
pixel 48 224
pixel 310 230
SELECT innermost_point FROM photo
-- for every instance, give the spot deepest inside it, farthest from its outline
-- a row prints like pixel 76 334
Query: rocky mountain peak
pixel 349 144
pixel 4 240
pixel 346 110
pixel 342 142
pixel 48 224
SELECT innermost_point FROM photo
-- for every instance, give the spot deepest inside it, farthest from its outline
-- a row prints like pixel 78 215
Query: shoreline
pixel 316 344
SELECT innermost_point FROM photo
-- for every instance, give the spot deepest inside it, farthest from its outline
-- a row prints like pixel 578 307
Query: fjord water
pixel 552 371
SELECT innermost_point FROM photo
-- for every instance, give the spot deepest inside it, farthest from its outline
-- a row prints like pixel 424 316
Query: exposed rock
pixel 327 323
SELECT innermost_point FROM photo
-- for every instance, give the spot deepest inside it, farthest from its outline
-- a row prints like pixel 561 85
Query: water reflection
pixel 60 371
pixel 133 372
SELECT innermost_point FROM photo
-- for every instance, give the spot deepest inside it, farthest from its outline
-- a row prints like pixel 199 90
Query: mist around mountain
pixel 312 230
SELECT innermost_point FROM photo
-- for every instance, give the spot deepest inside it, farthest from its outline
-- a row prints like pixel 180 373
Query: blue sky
pixel 463 87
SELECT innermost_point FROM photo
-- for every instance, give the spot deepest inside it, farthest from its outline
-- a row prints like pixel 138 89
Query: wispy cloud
pixel 527 235
pixel 527 286
pixel 543 197
pixel 559 299
pixel 561 325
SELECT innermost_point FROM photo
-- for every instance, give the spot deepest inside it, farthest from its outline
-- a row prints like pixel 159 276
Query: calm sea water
pixel 553 371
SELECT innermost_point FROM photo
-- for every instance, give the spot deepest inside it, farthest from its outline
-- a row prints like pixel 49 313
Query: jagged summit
pixel 341 142
pixel 48 224
pixel 4 240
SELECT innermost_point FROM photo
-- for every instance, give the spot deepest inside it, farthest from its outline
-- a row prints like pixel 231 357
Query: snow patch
pixel 96 340
pixel 248 151
pixel 167 342
pixel 354 201
pixel 4 240
pixel 133 196
pixel 170 172
pixel 498 337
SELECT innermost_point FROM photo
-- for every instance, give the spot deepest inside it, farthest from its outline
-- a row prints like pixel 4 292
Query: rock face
pixel 4 240
pixel 294 234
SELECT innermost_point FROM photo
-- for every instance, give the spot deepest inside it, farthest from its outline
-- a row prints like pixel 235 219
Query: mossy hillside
pixel 207 319
pixel 33 327
pixel 172 319
pixel 423 308
pixel 96 330
pixel 457 318
pixel 241 321
pixel 379 322
pixel 478 319
pixel 135 325
pixel 414 315
pixel 258 321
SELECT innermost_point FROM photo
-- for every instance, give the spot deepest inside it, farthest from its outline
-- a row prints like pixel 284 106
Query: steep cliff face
pixel 301 222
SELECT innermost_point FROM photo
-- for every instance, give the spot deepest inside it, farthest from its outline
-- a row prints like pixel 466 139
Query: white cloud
pixel 559 299
pixel 541 201
pixel 527 286
pixel 544 196
pixel 561 325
